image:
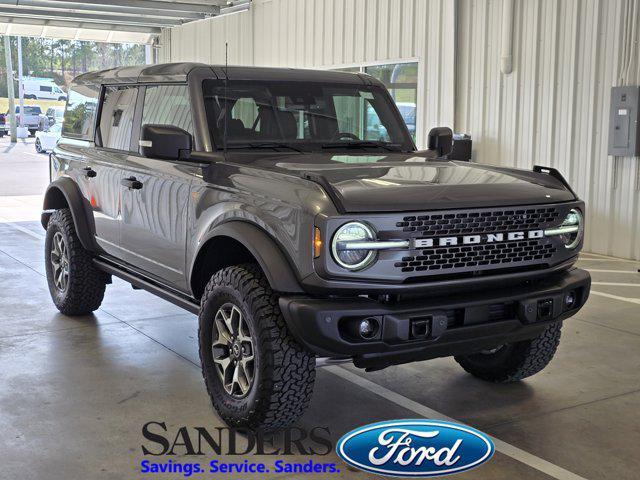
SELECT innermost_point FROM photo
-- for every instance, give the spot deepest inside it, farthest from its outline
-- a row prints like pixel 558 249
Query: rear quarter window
pixel 80 114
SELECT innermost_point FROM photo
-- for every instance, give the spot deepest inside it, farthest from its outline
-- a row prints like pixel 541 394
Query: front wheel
pixel 257 375
pixel 514 361
pixel 38 146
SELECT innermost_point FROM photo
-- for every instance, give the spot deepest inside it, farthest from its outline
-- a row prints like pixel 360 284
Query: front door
pixel 155 199
pixel 105 168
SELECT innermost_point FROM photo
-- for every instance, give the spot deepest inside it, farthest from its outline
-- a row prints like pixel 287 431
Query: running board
pixel 176 298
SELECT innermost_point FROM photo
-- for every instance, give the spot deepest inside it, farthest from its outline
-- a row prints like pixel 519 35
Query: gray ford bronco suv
pixel 254 198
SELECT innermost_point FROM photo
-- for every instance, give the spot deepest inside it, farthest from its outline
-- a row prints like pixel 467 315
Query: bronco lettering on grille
pixel 475 239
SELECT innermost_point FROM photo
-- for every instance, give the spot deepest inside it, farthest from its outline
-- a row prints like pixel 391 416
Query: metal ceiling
pixel 136 21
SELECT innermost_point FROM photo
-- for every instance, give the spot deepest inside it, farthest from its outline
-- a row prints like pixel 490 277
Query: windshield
pixel 303 116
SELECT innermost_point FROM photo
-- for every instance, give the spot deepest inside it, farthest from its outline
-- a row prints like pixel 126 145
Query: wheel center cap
pixel 236 350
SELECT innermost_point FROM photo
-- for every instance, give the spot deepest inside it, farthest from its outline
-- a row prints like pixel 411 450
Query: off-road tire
pixel 86 284
pixel 514 361
pixel 284 372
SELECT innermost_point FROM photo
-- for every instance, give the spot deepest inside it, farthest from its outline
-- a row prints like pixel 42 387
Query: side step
pixel 136 281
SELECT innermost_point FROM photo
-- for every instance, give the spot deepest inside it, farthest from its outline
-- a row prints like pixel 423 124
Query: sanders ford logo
pixel 415 448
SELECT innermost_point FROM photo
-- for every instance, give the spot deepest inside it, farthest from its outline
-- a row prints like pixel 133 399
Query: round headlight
pixel 572 237
pixel 342 246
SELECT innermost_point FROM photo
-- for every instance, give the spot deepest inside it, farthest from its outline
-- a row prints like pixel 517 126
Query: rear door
pixel 88 168
pixel 154 207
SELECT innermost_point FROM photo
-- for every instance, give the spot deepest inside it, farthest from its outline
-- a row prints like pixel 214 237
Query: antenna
pixel 226 96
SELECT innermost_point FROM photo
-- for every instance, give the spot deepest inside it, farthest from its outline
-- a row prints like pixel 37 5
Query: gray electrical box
pixel 624 121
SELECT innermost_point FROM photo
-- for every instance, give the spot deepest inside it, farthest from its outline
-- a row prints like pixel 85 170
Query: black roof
pixel 178 72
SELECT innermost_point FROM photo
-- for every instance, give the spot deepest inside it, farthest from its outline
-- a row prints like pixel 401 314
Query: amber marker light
pixel 317 243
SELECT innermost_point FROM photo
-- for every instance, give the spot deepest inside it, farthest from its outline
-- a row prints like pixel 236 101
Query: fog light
pixel 570 299
pixel 367 328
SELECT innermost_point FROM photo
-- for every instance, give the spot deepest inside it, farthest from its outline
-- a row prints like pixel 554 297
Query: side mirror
pixel 441 140
pixel 166 142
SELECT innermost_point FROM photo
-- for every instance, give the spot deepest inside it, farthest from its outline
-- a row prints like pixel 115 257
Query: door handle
pixel 131 183
pixel 89 172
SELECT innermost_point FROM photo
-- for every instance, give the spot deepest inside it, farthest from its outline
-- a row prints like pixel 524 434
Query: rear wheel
pixel 257 375
pixel 76 285
pixel 514 361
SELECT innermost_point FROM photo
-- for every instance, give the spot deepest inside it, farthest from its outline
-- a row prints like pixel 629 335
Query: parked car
pixel 245 196
pixel 52 116
pixel 4 124
pixel 32 118
pixel 47 140
pixel 42 88
pixel 408 112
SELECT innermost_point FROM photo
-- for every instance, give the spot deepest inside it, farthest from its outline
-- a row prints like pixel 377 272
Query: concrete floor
pixel 75 392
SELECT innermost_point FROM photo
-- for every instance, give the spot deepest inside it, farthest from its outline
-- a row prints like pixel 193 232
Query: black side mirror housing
pixel 441 140
pixel 166 142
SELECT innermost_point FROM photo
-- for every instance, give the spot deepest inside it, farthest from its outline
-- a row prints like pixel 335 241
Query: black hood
pixel 411 182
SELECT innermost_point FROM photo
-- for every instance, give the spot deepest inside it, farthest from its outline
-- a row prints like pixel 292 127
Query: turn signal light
pixel 317 243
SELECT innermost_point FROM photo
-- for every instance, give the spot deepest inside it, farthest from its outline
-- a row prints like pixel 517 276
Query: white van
pixel 42 88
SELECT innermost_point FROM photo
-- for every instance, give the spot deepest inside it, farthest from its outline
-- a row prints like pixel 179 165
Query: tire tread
pixel 87 284
pixel 524 360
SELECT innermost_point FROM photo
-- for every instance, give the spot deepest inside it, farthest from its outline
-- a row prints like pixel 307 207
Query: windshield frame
pixel 306 145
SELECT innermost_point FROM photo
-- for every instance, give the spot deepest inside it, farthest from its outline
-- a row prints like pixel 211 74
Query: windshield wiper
pixel 391 147
pixel 265 145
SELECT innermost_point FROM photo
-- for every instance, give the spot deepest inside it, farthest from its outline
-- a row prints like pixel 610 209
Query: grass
pixel 43 104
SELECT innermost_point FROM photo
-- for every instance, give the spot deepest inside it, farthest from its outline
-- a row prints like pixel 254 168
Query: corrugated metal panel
pixel 554 108
pixel 331 33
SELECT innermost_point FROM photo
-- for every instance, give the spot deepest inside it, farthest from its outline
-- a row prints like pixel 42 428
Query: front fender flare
pixel 268 254
pixel 64 192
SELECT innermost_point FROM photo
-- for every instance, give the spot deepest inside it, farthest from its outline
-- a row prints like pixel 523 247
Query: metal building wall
pixel 554 108
pixel 334 33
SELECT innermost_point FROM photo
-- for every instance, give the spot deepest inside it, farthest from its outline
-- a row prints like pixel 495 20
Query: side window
pixel 80 114
pixel 167 105
pixel 116 118
pixel 45 88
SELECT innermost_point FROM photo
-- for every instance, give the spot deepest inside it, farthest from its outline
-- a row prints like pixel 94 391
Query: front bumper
pixel 452 324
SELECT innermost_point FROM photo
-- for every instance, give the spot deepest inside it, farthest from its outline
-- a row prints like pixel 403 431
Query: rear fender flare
pixel 63 193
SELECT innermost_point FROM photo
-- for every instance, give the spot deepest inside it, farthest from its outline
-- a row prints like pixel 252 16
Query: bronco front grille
pixel 445 258
pixel 467 223
pixel 484 256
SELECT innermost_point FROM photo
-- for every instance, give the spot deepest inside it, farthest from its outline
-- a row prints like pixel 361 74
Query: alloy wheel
pixel 233 351
pixel 59 262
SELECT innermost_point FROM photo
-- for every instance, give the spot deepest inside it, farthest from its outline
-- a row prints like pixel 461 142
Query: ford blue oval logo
pixel 415 448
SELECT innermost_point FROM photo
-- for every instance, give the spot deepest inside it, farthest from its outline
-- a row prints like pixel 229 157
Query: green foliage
pixel 62 60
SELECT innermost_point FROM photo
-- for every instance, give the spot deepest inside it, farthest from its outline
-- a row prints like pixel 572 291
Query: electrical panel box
pixel 624 121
